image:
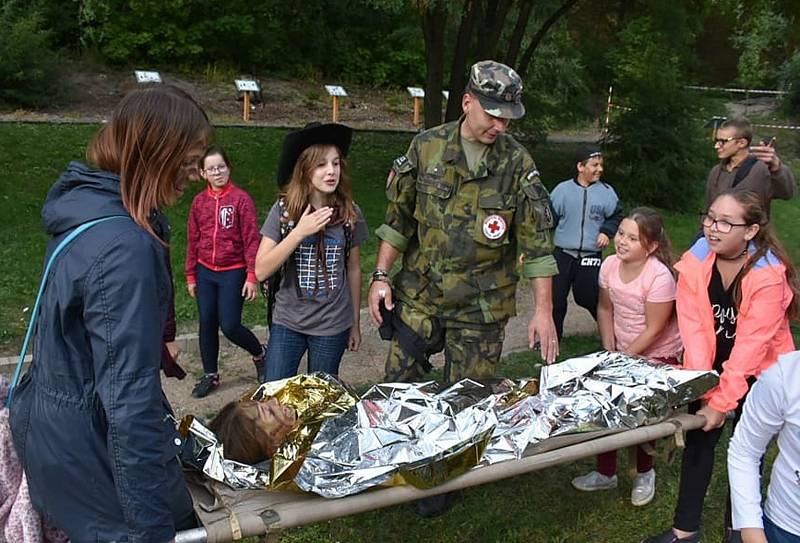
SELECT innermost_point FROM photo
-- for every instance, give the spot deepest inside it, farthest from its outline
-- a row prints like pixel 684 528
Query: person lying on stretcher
pixel 252 431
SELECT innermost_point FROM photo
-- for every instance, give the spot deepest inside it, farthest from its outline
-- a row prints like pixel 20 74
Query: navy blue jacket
pixel 89 420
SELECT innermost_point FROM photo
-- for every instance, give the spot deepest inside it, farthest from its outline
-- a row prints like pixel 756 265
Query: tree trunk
pixel 515 43
pixel 491 28
pixel 542 32
pixel 458 70
pixel 434 18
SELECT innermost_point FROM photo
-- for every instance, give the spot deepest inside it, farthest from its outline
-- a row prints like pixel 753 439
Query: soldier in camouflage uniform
pixel 468 212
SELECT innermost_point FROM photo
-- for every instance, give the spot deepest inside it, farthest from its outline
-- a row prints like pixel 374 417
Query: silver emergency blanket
pixel 423 434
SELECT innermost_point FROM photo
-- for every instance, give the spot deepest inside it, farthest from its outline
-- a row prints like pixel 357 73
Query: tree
pixel 29 70
pixel 653 143
pixel 482 26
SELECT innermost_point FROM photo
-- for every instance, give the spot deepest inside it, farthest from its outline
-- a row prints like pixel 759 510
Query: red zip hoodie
pixel 222 233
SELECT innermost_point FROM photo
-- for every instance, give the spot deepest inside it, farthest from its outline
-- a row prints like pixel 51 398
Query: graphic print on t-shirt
pixel 725 318
pixel 310 274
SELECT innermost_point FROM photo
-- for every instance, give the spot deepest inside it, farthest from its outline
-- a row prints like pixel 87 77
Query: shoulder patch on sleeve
pixel 535 190
pixel 401 164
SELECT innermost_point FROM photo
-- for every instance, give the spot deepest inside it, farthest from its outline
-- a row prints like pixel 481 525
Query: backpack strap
pixel 743 169
pixel 32 324
pixel 272 284
pixel 348 241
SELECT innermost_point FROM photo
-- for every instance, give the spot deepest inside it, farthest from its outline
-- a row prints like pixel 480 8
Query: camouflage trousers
pixel 468 352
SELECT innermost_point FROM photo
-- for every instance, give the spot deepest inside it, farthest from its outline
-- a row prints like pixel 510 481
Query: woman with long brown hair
pixel 312 236
pixel 90 420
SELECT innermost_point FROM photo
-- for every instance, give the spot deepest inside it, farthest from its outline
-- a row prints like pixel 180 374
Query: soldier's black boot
pixel 435 505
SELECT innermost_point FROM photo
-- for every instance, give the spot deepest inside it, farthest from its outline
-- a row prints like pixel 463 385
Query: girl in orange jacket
pixel 737 291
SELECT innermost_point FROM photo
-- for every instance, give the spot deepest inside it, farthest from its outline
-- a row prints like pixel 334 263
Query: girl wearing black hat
pixel 312 237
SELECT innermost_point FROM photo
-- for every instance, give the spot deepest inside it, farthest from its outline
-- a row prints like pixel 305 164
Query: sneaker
pixel 670 537
pixel 205 385
pixel 644 488
pixel 594 480
pixel 258 362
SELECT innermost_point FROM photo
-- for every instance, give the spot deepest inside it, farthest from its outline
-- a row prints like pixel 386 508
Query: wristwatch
pixel 380 275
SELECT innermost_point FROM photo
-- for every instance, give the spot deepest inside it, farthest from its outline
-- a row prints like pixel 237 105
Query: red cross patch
pixel 494 227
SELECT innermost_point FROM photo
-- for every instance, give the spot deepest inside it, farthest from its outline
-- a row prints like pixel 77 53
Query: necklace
pixel 737 257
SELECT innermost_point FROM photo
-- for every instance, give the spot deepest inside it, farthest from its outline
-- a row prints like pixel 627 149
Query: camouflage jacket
pixel 462 232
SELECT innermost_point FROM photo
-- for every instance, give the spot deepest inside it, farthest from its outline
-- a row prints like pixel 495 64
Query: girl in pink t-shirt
pixel 636 315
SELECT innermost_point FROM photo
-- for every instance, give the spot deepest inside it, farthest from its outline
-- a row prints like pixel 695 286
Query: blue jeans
pixel 776 534
pixel 286 347
pixel 219 302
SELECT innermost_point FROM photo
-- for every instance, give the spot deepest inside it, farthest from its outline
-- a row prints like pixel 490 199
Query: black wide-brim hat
pixel 311 134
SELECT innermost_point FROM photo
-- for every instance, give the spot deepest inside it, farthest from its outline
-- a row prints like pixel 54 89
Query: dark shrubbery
pixel 656 154
pixel 28 67
pixel 790 83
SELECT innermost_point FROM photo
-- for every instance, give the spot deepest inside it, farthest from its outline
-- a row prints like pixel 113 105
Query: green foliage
pixel 653 143
pixel 159 32
pixel 555 86
pixel 62 19
pixel 334 38
pixel 29 74
pixel 758 33
pixel 790 83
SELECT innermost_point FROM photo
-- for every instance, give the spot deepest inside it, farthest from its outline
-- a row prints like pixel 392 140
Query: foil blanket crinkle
pixel 424 433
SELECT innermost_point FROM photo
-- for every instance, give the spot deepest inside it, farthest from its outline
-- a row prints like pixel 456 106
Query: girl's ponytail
pixel 652 231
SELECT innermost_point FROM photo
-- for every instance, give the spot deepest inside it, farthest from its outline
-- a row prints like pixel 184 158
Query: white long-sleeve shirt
pixel 772 407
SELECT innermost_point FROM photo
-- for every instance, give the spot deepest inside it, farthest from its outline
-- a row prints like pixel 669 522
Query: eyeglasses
pixel 217 169
pixel 723 141
pixel 723 226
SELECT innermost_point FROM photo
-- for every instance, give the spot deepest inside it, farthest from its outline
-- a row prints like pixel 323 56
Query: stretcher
pixel 229 515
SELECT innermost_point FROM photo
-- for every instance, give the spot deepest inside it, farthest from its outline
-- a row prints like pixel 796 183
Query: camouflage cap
pixel 498 89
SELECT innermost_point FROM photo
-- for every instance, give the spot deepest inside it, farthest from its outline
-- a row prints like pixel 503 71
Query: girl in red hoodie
pixel 220 265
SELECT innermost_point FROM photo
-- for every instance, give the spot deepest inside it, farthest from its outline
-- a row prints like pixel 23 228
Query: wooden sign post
pixel 144 76
pixel 246 86
pixel 335 91
pixel 417 94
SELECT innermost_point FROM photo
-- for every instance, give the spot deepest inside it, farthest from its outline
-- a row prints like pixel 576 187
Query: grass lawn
pixel 35 154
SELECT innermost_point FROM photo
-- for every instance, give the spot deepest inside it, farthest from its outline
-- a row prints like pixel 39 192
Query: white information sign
pixel 446 94
pixel 416 92
pixel 246 85
pixel 335 90
pixel 144 76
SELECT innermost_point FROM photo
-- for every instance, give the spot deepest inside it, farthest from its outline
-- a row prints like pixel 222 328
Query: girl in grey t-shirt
pixel 312 235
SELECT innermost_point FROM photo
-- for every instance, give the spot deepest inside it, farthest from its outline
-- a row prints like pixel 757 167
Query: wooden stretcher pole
pixel 246 106
pixel 310 510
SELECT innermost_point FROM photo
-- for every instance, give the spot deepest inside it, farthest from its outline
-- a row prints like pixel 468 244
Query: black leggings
pixel 697 466
pixel 580 275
